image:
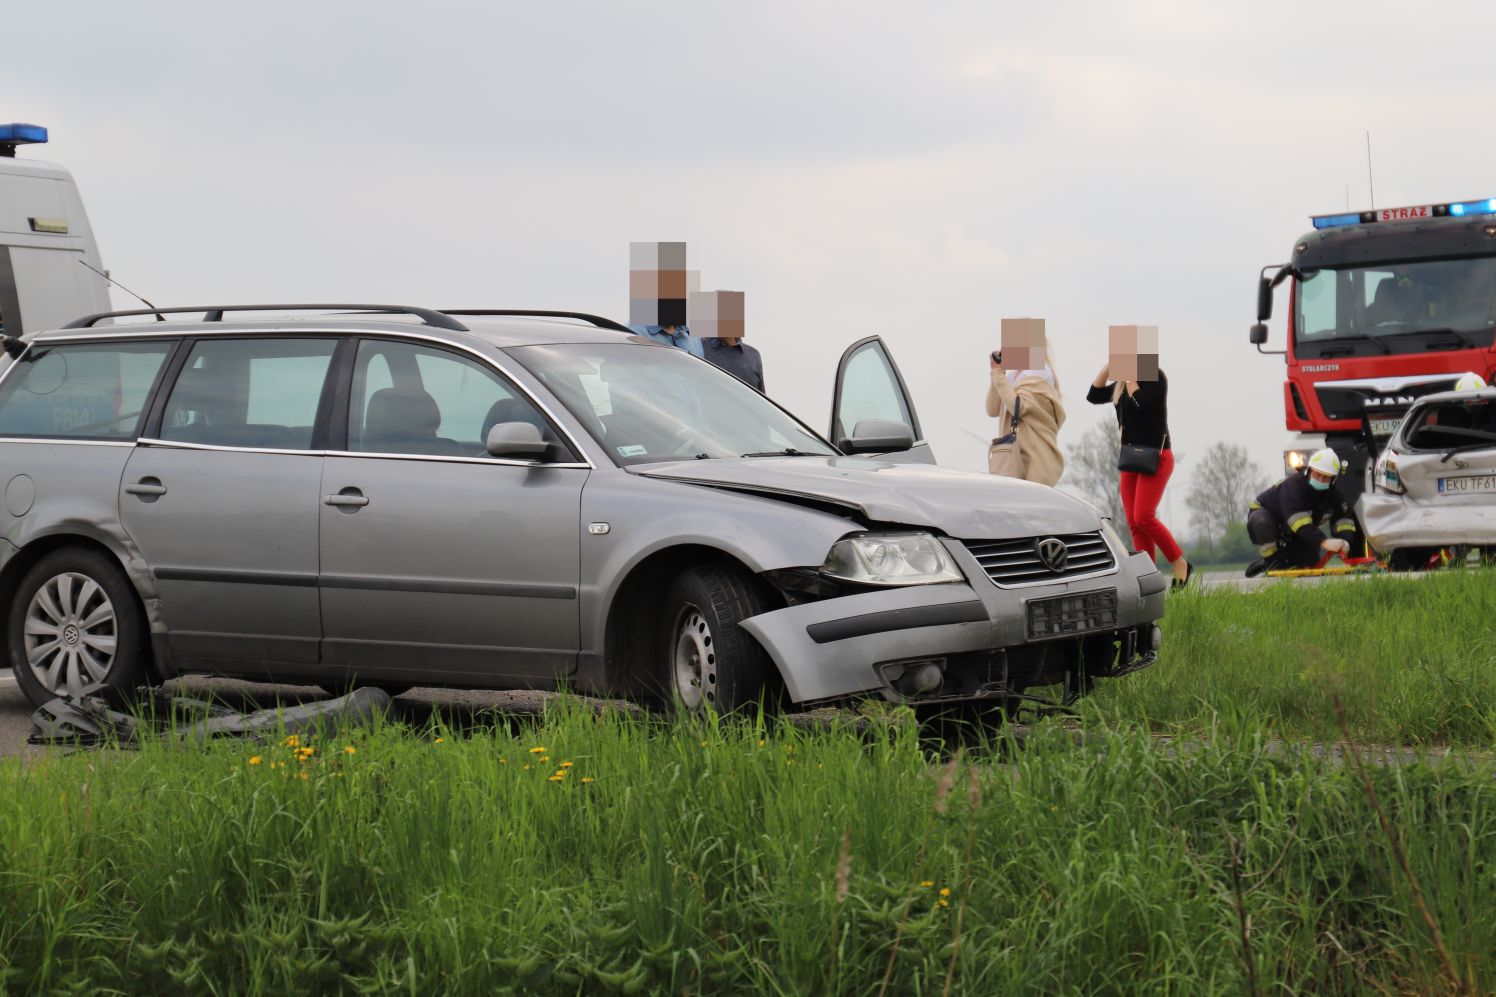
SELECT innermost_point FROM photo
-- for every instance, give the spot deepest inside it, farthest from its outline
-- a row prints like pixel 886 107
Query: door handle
pixel 147 486
pixel 348 498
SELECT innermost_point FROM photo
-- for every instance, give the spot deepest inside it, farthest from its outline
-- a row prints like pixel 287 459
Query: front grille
pixel 1016 562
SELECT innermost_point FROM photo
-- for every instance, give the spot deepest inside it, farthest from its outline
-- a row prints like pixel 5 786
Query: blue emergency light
pixel 1486 207
pixel 20 134
pixel 1418 212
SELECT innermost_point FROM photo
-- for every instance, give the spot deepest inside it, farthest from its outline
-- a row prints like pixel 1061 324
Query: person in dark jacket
pixel 1284 521
pixel 1133 384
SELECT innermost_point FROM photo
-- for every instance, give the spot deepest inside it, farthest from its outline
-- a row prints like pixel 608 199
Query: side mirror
pixel 1264 299
pixel 877 436
pixel 516 441
pixel 1257 335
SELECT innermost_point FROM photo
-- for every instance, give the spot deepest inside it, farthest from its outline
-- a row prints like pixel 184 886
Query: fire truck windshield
pixel 1399 307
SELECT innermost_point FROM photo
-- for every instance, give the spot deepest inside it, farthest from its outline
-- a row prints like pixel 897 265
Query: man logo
pixel 1053 554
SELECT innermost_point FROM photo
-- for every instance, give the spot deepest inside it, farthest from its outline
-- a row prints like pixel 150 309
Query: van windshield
pixel 645 403
pixel 1402 307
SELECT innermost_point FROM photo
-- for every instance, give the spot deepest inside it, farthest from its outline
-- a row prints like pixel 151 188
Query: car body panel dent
pixel 1393 521
pixel 961 504
pixel 646 516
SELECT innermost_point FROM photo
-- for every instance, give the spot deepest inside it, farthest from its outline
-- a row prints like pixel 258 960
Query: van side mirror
pixel 1264 299
pixel 516 441
pixel 877 436
pixel 1257 335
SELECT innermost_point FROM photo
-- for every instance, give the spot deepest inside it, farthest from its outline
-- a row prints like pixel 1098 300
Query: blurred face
pixel 717 315
pixel 1024 344
pixel 1132 352
pixel 659 283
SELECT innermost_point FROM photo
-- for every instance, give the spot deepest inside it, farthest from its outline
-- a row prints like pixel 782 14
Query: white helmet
pixel 1326 461
pixel 1470 382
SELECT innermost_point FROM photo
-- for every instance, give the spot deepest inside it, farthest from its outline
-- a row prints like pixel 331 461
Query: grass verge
pixel 1413 660
pixel 598 854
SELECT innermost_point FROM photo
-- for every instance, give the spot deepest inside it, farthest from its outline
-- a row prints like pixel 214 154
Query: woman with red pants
pixel 1142 406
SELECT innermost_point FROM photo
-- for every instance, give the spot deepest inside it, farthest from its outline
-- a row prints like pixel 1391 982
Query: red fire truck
pixel 1383 306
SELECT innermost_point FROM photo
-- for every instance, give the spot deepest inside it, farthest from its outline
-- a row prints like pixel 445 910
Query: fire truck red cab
pixel 1384 306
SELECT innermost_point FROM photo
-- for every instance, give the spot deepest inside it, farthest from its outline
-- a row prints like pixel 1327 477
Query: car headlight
pixel 1295 460
pixel 891 559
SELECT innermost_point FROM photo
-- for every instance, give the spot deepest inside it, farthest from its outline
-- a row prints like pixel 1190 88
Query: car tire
pixel 708 660
pixel 1410 558
pixel 83 598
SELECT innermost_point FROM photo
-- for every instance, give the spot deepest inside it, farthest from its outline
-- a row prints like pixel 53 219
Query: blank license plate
pixel 1468 485
pixel 1384 427
pixel 1072 614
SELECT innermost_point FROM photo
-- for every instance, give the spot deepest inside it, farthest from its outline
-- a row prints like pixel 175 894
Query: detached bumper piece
pixel 90 720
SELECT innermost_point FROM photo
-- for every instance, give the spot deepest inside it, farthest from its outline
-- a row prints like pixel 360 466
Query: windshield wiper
pixel 1330 344
pixel 1487 440
pixel 786 452
pixel 1465 340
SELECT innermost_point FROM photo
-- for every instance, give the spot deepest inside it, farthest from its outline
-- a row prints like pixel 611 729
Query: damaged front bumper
pixel 934 643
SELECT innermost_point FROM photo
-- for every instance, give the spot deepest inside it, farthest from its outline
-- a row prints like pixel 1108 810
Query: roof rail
pixel 214 313
pixel 597 320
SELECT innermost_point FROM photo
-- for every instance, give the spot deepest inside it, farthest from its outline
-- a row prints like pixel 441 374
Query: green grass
pixel 1411 660
pixel 706 860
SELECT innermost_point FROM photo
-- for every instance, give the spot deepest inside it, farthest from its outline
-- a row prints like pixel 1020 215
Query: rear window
pixel 1444 425
pixel 251 393
pixel 93 392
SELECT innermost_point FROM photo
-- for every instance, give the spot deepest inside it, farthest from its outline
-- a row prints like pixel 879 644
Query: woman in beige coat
pixel 1035 395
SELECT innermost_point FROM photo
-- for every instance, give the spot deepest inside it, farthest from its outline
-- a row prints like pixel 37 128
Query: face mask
pixel 1318 485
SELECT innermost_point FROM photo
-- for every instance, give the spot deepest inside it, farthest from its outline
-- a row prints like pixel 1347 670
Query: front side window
pixel 255 393
pixel 95 392
pixel 646 404
pixel 1402 307
pixel 416 400
pixel 870 390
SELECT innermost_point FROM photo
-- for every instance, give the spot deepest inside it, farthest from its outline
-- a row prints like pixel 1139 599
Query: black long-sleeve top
pixel 1143 415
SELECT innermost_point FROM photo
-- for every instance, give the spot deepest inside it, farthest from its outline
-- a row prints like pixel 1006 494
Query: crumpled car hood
pixel 963 504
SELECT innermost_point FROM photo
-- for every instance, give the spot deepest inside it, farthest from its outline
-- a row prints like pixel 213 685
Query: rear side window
pixel 1467 423
pixel 256 393
pixel 94 392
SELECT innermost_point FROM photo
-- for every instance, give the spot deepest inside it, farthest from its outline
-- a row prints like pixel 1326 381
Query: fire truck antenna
pixel 1370 183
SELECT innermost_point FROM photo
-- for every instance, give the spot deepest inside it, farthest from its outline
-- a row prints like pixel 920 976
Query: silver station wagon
pixel 405 497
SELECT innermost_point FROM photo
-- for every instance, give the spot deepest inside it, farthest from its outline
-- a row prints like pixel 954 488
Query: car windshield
pixel 1460 423
pixel 647 403
pixel 1413 307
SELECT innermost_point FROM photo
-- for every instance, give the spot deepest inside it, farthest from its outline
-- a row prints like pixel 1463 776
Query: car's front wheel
pixel 75 623
pixel 1410 558
pixel 710 661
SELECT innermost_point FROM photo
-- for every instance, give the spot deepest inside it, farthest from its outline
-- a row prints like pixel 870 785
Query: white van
pixel 44 240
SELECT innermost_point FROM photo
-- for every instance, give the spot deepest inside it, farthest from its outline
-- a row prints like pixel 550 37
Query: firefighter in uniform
pixel 1284 522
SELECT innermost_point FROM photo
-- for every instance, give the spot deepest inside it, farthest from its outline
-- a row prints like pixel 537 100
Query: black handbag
pixel 1140 459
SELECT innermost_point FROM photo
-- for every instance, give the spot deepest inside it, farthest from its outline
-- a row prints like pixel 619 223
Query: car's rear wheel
pixel 1410 558
pixel 75 623
pixel 710 662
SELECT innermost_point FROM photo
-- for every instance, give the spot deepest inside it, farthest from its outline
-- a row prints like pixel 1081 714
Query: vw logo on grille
pixel 1053 554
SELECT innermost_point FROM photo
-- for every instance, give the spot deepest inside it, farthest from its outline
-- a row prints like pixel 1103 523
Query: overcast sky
pixel 914 171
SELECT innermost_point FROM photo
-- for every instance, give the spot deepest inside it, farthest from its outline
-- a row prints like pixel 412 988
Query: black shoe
pixel 1256 568
pixel 1179 583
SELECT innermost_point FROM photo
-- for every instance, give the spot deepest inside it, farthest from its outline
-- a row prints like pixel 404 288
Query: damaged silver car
pixel 1433 488
pixel 404 497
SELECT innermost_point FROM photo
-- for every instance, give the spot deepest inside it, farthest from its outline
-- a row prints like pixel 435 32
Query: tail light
pixel 1385 476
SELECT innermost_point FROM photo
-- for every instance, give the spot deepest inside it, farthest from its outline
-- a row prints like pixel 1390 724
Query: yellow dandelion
pixel 306 752
pixel 254 759
pixel 503 761
pixel 926 883
pixel 439 740
pixel 537 751
pixel 527 768
pixel 566 765
pixel 942 903
pixel 555 778
pixel 292 741
pixel 545 759
pixel 586 779
pixel 303 775
pixel 350 750
pixel 945 891
pixel 761 743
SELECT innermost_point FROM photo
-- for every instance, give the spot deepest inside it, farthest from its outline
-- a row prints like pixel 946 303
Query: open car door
pixel 870 402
